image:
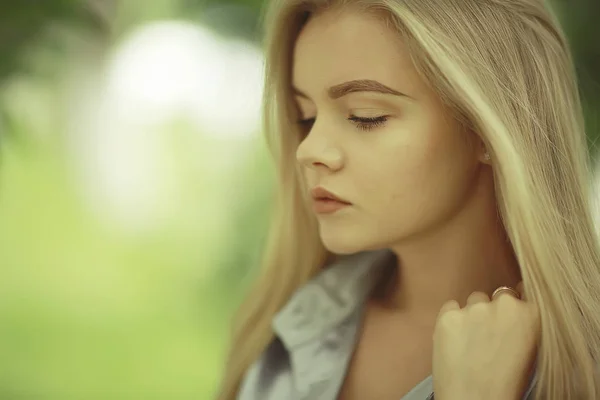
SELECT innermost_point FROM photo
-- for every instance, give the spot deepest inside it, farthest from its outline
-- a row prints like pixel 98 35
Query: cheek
pixel 418 174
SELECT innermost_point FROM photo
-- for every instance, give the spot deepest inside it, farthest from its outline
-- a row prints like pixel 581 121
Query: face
pixel 384 144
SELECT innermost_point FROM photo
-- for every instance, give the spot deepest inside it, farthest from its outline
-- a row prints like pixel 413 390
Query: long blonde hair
pixel 505 70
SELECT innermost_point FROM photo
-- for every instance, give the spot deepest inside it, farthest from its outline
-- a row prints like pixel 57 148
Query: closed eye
pixel 362 123
pixel 366 124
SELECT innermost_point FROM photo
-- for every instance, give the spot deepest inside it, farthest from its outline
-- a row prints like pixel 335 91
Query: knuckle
pixel 508 301
pixel 479 308
pixel 476 296
pixel 450 318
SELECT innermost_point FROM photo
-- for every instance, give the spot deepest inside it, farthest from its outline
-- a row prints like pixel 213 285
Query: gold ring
pixel 506 289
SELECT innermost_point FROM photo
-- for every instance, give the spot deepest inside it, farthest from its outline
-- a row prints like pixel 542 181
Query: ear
pixel 486 157
pixel 483 154
pixel 481 151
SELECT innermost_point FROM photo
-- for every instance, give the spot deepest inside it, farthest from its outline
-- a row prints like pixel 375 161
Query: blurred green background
pixel 135 188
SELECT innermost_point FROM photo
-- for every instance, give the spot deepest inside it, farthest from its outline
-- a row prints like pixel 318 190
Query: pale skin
pixel 420 185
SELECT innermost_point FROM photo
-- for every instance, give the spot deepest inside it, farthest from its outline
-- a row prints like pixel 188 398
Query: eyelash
pixel 364 124
pixel 367 124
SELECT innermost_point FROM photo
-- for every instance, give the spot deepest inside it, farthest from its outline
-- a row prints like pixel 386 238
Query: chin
pixel 341 249
pixel 344 244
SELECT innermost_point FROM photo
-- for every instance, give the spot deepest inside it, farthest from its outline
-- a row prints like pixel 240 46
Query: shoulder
pixel 269 377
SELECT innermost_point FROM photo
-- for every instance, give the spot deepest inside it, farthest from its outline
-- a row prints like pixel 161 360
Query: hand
pixel 485 350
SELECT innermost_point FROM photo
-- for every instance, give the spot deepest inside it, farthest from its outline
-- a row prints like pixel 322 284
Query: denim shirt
pixel 316 333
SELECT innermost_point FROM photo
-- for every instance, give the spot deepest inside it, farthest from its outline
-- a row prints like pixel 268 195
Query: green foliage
pixel 25 23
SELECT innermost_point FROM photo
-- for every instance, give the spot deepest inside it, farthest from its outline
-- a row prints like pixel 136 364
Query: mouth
pixel 325 202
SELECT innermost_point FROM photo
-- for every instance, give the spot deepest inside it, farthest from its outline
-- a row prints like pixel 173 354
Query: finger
pixel 505 291
pixel 448 306
pixel 477 297
pixel 521 289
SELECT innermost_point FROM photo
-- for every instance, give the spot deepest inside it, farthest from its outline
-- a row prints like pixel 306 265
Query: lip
pixel 326 202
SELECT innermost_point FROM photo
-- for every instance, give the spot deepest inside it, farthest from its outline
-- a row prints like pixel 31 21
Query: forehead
pixel 336 47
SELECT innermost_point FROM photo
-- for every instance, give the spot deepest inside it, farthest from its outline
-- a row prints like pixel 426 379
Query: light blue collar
pixel 329 298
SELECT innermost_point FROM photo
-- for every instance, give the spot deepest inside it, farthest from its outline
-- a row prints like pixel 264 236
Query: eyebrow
pixel 361 85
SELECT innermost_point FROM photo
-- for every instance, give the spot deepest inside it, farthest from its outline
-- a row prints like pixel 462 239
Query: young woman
pixel 431 156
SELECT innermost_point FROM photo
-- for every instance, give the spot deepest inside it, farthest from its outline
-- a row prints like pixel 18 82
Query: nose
pixel 319 151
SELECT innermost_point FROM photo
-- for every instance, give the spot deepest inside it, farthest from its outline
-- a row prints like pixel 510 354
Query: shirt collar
pixel 329 298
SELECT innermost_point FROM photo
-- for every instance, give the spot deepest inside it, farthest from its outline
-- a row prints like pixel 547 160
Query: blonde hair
pixel 505 70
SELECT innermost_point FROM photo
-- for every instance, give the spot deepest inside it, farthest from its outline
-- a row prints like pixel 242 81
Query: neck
pixel 468 252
